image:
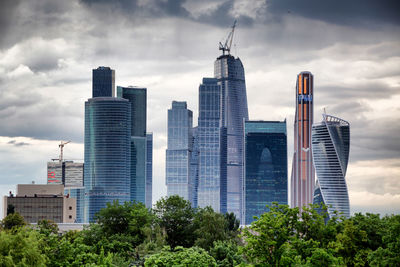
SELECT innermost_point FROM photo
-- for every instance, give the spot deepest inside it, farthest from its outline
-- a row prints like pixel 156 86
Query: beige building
pixel 37 202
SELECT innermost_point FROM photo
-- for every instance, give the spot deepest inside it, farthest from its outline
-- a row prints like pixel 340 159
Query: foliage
pixel 175 215
pixel 180 256
pixel 13 220
pixel 226 253
pixel 20 247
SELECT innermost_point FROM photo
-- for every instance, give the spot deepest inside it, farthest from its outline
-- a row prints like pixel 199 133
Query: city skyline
pixel 352 50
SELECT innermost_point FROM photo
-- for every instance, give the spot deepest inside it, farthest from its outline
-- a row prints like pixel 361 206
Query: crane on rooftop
pixel 228 42
pixel 61 146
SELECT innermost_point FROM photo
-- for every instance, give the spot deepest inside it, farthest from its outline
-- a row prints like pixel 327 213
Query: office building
pixel 107 169
pixel 36 202
pixel 139 142
pixel 265 178
pixel 303 173
pixel 77 193
pixel 149 169
pixel 178 153
pixel 68 173
pixel 211 136
pixel 103 82
pixel 229 73
pixel 330 146
pixel 194 167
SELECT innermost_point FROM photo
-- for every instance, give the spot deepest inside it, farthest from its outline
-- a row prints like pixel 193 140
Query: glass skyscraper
pixel 103 82
pixel 178 154
pixel 138 99
pixel 330 146
pixel 229 73
pixel 303 173
pixel 211 147
pixel 79 194
pixel 266 179
pixel 149 169
pixel 107 153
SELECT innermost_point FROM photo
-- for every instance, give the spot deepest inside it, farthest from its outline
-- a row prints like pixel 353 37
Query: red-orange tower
pixel 303 173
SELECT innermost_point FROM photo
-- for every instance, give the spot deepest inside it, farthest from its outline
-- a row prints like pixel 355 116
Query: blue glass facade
pixel 330 148
pixel 103 82
pixel 107 153
pixel 138 99
pixel 265 167
pixel 178 154
pixel 212 154
pixel 229 72
pixel 79 194
pixel 149 169
pixel 194 166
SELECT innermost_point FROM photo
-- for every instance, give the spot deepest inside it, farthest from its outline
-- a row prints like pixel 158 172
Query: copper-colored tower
pixel 303 173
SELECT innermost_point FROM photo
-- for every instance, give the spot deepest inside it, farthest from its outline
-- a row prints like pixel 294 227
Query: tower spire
pixel 228 42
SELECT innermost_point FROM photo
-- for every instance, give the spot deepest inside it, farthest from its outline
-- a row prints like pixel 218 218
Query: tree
pixel 180 256
pixel 10 209
pixel 175 215
pixel 13 220
pixel 209 226
pixel 226 253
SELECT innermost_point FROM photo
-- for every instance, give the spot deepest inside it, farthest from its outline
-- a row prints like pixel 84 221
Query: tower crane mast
pixel 228 42
pixel 61 146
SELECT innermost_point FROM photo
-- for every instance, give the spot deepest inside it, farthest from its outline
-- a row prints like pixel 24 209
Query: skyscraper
pixel 266 179
pixel 330 146
pixel 178 154
pixel 303 173
pixel 68 173
pixel 138 99
pixel 149 169
pixel 211 148
pixel 103 82
pixel 229 72
pixel 107 168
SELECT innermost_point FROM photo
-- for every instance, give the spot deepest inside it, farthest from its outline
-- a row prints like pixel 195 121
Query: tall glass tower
pixel 103 82
pixel 149 169
pixel 330 146
pixel 266 179
pixel 178 154
pixel 229 73
pixel 107 153
pixel 211 141
pixel 138 99
pixel 303 173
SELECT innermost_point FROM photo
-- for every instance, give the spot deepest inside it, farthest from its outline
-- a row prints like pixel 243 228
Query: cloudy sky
pixel 48 49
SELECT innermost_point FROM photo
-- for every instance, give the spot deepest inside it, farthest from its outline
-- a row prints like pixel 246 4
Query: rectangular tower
pixel 103 82
pixel 265 178
pixel 149 169
pixel 138 105
pixel 211 147
pixel 178 154
pixel 303 173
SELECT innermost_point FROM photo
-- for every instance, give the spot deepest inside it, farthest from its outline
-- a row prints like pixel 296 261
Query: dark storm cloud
pixel 8 9
pixel 15 143
pixel 353 13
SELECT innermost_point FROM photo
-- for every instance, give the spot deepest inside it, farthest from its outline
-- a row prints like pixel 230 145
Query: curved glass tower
pixel 330 147
pixel 229 72
pixel 107 153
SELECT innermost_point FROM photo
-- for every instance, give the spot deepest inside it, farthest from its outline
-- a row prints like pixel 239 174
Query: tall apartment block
pixel 265 168
pixel 229 73
pixel 137 98
pixel 303 173
pixel 107 169
pixel 330 146
pixel 211 137
pixel 178 154
pixel 103 82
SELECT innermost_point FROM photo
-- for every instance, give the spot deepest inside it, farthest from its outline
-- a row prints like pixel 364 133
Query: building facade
pixel 303 173
pixel 77 193
pixel 330 146
pixel 107 169
pixel 103 82
pixel 211 138
pixel 37 202
pixel 265 168
pixel 229 73
pixel 68 173
pixel 149 170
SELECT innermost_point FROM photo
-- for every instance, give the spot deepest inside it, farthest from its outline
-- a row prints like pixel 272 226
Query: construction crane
pixel 228 42
pixel 61 146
